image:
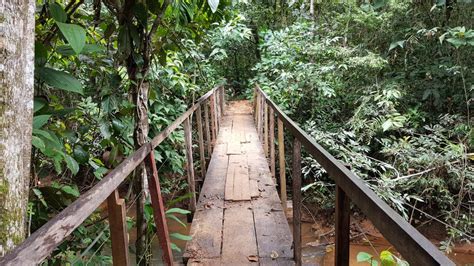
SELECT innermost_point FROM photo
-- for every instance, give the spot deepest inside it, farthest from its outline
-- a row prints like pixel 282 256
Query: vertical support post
pixel 217 114
pixel 255 104
pixel 222 101
pixel 257 111
pixel 212 104
pixel 281 161
pixel 262 106
pixel 297 200
pixel 272 141
pixel 118 229
pixel 201 141
pixel 190 166
pixel 158 209
pixel 265 133
pixel 342 228
pixel 208 130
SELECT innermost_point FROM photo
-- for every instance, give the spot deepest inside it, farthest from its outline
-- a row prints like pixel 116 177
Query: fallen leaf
pixel 313 244
pixel 252 258
pixel 274 254
pixel 329 248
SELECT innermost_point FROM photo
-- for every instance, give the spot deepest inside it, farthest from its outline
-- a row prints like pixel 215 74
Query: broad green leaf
pixel 387 125
pixel 394 45
pixel 59 79
pixel 171 216
pixel 181 236
pixel 66 50
pixel 37 142
pixel 57 12
pixel 80 154
pixel 71 190
pixel 457 42
pixel 387 258
pixel 38 104
pixel 177 210
pixel 40 120
pixel 363 256
pixel 71 164
pixel 213 4
pixel 39 194
pixel 74 34
pixel 175 247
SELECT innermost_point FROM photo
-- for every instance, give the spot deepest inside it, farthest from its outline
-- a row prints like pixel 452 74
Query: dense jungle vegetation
pixel 385 85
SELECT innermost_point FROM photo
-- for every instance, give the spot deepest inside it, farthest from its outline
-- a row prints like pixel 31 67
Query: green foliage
pixel 386 259
pixel 379 85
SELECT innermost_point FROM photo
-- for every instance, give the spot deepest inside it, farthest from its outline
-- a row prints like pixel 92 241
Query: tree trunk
pixel 141 182
pixel 17 38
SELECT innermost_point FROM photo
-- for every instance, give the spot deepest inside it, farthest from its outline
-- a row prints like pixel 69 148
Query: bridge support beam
pixel 342 228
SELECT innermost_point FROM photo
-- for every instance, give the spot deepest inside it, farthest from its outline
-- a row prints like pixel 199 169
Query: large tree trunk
pixel 16 113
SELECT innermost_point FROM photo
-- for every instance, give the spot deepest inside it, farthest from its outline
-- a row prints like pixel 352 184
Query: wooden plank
pixel 272 142
pixel 158 210
pixel 254 193
pixel 343 209
pixel 282 165
pixel 208 131
pixel 297 200
pixel 277 261
pixel 237 181
pixel 206 229
pixel 412 245
pixel 118 229
pixel 239 241
pixel 201 142
pixel 189 163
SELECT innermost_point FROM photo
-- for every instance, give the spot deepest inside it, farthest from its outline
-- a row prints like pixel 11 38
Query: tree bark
pixel 17 38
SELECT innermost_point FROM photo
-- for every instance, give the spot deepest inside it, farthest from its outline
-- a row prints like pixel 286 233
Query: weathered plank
pixel 201 142
pixel 237 181
pixel 239 241
pixel 118 229
pixel 206 229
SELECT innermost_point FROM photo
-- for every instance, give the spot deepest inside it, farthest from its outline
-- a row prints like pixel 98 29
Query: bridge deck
pixel 239 217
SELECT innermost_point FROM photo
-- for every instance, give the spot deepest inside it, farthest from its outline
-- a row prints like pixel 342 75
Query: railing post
pixel 265 133
pixel 201 141
pixel 208 130
pixel 118 229
pixel 216 121
pixel 158 209
pixel 342 228
pixel 297 200
pixel 282 165
pixel 212 104
pixel 257 112
pixel 190 164
pixel 222 101
pixel 262 104
pixel 255 104
pixel 272 141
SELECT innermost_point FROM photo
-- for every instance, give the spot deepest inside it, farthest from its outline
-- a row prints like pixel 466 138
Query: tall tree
pixel 17 24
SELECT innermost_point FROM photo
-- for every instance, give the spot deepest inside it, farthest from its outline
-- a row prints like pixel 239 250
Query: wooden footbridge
pixel 239 218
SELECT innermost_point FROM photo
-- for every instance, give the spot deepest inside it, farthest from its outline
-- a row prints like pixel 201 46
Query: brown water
pixel 317 251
